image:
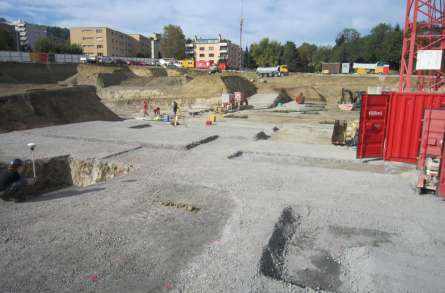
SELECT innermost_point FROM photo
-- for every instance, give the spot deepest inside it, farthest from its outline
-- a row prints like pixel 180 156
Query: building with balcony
pixel 214 51
pixel 29 34
pixel 103 41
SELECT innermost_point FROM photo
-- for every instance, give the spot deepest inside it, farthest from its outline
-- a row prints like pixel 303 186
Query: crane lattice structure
pixel 424 29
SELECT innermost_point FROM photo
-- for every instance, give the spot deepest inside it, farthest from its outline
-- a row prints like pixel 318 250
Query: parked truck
pixel 281 70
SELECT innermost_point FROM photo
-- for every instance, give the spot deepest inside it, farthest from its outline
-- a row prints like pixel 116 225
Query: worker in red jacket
pixel 145 108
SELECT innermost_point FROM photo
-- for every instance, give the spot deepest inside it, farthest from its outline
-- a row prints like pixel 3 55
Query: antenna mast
pixel 241 33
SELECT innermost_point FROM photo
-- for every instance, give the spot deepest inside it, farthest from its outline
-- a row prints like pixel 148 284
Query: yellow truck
pixel 281 70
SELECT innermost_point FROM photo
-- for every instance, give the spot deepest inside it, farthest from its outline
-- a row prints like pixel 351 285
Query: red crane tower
pixel 424 30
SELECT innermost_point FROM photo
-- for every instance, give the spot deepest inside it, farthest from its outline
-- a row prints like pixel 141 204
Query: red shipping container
pixel 404 124
pixel 433 130
pixel 372 127
pixel 431 161
pixel 441 187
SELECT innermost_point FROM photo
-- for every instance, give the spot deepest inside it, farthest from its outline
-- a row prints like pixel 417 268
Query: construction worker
pixel 12 183
pixel 145 108
pixel 174 108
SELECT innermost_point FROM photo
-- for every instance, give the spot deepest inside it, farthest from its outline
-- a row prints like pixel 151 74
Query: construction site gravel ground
pixel 281 216
pixel 259 202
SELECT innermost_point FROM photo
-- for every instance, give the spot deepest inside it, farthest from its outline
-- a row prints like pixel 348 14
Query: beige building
pixel 140 45
pixel 103 41
pixel 215 50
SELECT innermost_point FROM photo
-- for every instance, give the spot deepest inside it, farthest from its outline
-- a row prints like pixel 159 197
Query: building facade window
pixel 202 48
pixel 211 55
pixel 211 48
pixel 202 55
pixel 100 46
pixel 98 31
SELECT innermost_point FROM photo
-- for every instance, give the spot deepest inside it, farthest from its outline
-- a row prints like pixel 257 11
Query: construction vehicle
pixel 187 63
pixel 281 70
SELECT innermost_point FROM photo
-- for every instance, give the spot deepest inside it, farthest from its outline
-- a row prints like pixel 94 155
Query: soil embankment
pixel 24 73
pixel 52 107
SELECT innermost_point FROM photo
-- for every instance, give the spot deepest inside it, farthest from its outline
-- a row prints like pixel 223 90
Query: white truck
pixel 281 70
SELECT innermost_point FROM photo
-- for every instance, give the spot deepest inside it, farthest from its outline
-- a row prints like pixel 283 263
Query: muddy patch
pixel 235 155
pixel 200 142
pixel 140 126
pixel 261 136
pixel 183 206
pixel 305 255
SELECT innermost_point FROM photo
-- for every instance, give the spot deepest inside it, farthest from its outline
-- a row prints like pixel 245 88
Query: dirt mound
pixel 310 94
pixel 239 84
pixel 35 73
pixel 52 107
pixel 212 86
pixel 143 71
pixel 88 75
pixel 326 88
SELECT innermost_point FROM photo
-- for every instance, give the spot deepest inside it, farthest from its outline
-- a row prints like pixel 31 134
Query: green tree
pixel 306 52
pixel 348 35
pixel 173 42
pixel 44 45
pixel 248 60
pixel 322 54
pixel 266 53
pixel 6 40
pixel 290 56
pixel 47 45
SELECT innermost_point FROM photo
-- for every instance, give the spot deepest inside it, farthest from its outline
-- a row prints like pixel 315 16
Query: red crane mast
pixel 424 29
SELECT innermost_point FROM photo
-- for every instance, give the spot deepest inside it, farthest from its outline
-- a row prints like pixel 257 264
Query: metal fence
pixel 25 57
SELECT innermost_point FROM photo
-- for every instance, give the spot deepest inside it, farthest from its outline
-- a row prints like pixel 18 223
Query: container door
pixel 441 187
pixel 433 130
pixel 372 127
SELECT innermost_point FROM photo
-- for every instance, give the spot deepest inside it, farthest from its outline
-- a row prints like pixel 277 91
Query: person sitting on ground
pixel 12 183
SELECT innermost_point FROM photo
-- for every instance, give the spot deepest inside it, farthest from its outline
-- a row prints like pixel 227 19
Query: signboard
pixel 345 68
pixel 429 60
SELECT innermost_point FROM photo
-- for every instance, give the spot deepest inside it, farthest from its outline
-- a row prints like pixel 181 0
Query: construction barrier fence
pixel 26 57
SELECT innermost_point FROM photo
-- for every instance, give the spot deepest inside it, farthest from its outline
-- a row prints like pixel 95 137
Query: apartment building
pixel 215 50
pixel 103 41
pixel 28 34
pixel 140 45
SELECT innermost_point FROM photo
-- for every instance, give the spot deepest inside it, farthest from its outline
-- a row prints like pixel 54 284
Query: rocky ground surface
pixel 220 209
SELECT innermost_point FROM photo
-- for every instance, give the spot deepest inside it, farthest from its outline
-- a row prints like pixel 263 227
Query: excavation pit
pixel 60 172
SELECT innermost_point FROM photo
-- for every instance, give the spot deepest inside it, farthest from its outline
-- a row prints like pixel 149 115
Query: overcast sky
pixel 316 21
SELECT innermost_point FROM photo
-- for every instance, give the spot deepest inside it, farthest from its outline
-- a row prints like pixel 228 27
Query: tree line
pixel 383 43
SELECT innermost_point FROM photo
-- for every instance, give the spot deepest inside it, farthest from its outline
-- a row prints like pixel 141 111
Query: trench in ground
pixel 61 172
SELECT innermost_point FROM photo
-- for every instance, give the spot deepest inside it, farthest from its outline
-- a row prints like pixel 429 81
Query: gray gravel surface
pixel 361 230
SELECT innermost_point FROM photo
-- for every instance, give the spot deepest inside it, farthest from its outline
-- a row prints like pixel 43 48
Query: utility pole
pixel 241 34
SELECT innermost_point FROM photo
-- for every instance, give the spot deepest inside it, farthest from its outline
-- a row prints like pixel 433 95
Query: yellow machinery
pixel 284 70
pixel 187 63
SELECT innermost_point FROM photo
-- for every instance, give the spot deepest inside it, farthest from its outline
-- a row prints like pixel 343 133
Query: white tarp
pixel 365 66
pixel 345 68
pixel 429 60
